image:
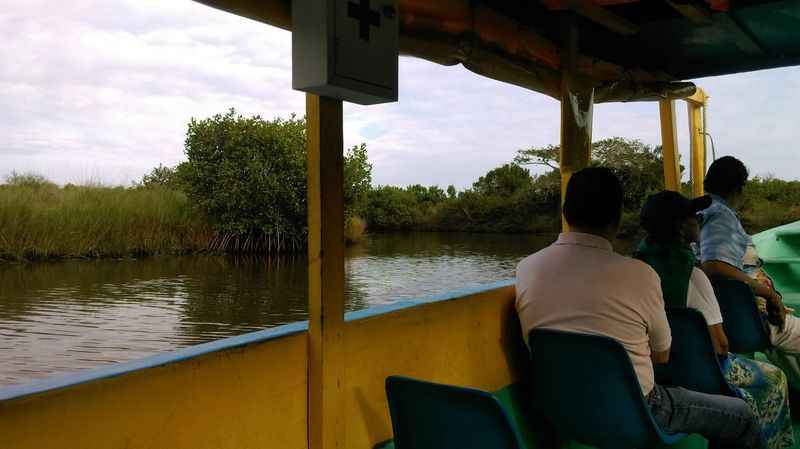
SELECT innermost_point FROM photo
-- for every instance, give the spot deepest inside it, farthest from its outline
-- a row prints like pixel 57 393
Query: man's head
pixel 593 201
pixel 726 177
pixel 669 217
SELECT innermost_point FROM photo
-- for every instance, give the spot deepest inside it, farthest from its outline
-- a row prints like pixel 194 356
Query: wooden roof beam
pixel 741 36
pixel 596 13
pixel 696 12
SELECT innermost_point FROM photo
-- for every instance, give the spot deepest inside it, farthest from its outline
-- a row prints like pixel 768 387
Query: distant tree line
pixel 246 175
pixel 511 199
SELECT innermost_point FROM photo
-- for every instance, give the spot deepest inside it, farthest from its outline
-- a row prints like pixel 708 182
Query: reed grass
pixel 354 229
pixel 40 220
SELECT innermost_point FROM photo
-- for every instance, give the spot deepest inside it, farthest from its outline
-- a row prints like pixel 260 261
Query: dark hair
pixel 726 176
pixel 593 199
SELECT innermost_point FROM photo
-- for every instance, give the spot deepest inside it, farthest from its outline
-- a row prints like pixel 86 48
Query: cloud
pixel 103 89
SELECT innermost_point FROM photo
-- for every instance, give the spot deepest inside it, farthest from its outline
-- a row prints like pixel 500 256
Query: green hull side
pixel 780 249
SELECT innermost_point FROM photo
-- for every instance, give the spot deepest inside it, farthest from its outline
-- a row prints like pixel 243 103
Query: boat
pixel 320 384
pixel 779 249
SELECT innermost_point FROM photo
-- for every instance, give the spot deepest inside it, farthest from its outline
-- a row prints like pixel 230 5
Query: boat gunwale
pixel 61 382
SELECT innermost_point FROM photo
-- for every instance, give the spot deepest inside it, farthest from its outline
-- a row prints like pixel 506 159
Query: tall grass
pixel 40 220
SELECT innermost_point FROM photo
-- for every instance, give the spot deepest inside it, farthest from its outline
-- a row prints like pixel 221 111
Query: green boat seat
pixel 585 386
pixel 693 364
pixel 740 316
pixel 426 415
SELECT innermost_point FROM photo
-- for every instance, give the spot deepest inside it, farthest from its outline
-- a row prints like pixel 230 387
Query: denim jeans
pixel 724 421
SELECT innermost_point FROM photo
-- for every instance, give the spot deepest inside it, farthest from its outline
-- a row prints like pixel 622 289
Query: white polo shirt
pixel 700 296
pixel 579 284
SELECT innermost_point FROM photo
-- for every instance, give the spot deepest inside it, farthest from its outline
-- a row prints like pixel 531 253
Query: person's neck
pixel 730 200
pixel 607 234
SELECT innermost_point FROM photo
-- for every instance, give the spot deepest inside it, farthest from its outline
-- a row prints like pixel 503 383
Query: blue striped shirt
pixel 722 237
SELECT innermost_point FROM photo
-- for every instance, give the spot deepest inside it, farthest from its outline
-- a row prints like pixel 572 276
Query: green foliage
pixel 41 220
pixel 769 202
pixel 547 156
pixel 505 180
pixel 392 208
pixel 243 188
pixel 357 175
pixel 509 199
pixel 248 177
pixel 30 180
pixel 164 177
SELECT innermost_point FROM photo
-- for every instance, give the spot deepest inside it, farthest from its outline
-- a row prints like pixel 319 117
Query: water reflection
pixel 68 316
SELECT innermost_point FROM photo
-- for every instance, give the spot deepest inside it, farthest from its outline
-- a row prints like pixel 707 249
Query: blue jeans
pixel 724 421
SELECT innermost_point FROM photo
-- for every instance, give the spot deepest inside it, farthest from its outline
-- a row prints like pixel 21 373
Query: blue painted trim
pixel 400 305
pixel 166 358
pixel 161 359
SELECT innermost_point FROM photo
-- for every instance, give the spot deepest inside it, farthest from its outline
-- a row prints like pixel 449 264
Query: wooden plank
pixel 694 11
pixel 577 104
pixel 597 14
pixel 326 418
pixel 741 36
pixel 669 146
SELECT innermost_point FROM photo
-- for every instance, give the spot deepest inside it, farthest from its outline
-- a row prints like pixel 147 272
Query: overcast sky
pixel 101 91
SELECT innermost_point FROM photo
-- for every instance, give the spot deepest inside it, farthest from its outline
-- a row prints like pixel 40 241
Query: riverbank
pixel 40 220
pixel 43 221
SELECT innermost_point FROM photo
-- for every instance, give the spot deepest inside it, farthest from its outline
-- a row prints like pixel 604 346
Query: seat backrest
pixel 585 385
pixel 693 363
pixel 426 415
pixel 740 315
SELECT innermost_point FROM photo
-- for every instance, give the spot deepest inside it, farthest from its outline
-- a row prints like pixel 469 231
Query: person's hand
pixel 776 311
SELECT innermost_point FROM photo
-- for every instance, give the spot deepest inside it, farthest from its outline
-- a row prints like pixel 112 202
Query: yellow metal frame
pixel 697 145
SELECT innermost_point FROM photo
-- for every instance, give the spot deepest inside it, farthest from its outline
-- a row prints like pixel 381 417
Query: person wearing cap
pixel 671 223
pixel 579 284
pixel 724 253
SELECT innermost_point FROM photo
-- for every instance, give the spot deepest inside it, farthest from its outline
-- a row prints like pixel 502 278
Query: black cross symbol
pixel 365 16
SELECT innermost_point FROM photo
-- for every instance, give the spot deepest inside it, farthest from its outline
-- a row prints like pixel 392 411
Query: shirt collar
pixel 718 199
pixel 582 239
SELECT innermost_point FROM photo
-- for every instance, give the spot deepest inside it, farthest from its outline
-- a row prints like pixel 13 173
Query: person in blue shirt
pixel 723 247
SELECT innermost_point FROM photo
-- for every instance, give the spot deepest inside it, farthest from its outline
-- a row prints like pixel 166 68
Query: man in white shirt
pixel 579 284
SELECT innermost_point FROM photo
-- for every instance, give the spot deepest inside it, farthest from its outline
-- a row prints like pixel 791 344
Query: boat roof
pixel 630 49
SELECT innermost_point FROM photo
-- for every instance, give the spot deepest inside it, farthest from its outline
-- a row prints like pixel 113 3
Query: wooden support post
pixel 697 141
pixel 669 146
pixel 577 103
pixel 325 272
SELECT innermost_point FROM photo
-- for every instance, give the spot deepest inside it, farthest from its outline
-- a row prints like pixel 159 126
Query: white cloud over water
pixel 102 90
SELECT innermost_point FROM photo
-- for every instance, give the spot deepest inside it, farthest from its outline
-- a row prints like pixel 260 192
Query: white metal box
pixel 346 49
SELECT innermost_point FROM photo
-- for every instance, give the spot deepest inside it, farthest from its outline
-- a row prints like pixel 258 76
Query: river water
pixel 63 317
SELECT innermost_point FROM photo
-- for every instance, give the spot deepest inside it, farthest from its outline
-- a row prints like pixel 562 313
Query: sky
pixel 101 91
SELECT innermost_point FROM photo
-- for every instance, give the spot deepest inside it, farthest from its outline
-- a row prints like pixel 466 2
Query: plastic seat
pixel 426 415
pixel 693 364
pixel 586 387
pixel 741 318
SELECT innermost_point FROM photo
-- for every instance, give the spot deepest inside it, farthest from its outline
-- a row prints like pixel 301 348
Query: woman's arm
pixel 659 357
pixel 719 339
pixel 716 268
pixel 775 308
